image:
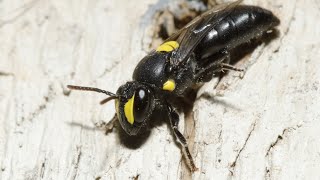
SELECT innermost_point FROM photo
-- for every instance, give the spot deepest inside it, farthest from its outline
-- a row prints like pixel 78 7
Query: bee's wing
pixel 190 36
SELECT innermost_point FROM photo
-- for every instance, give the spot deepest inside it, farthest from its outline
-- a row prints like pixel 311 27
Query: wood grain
pixel 266 126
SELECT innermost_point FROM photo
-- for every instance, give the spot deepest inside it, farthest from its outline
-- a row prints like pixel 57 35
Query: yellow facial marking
pixel 170 85
pixel 168 46
pixel 128 110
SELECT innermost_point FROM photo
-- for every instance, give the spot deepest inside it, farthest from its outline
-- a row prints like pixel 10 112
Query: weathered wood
pixel 264 127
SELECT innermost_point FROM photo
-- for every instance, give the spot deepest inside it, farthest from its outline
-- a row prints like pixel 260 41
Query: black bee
pixel 189 57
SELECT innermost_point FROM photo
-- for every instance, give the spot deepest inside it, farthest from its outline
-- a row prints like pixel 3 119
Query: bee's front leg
pixel 174 121
pixel 108 127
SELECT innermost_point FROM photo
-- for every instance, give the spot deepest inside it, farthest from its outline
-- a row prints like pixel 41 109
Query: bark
pixel 265 126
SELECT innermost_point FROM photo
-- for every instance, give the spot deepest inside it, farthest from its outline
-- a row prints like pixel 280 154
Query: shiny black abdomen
pixel 241 25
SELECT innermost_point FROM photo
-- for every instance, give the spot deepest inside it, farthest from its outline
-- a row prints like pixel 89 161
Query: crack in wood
pixel 219 151
pixel 109 69
pixel 273 144
pixel 76 163
pixel 272 147
pixel 43 167
pixel 233 165
pixel 292 17
pixel 47 99
pixel 25 9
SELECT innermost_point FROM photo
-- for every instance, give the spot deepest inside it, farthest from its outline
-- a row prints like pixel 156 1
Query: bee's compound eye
pixel 141 105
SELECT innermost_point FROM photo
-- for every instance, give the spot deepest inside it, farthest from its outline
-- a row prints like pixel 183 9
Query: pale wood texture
pixel 266 126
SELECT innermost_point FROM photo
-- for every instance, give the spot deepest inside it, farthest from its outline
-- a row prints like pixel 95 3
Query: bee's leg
pixel 205 73
pixel 174 121
pixel 107 126
pixel 227 56
pixel 225 66
pixel 110 125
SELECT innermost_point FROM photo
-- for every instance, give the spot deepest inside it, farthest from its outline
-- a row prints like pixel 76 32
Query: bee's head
pixel 134 104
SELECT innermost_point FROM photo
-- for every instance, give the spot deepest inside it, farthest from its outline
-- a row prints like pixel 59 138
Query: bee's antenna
pixel 83 88
pixel 108 99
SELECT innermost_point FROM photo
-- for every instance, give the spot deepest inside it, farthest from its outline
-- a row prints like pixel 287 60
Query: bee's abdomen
pixel 241 25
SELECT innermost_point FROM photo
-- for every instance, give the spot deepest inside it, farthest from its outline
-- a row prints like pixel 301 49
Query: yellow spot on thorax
pixel 128 110
pixel 168 46
pixel 170 85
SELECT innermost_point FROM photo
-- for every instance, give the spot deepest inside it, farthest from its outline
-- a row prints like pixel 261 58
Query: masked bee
pixel 190 56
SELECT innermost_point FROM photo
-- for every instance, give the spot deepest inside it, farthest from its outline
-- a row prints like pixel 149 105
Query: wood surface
pixel 265 126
